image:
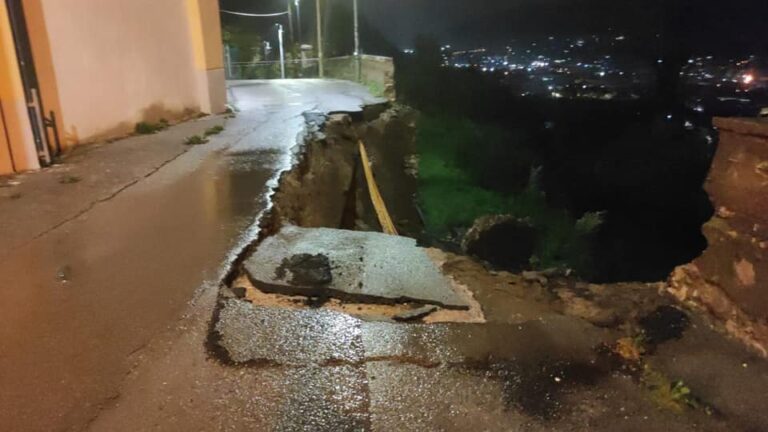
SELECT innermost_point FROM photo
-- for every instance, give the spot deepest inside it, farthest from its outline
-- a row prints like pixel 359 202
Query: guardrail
pixel 375 72
pixel 308 68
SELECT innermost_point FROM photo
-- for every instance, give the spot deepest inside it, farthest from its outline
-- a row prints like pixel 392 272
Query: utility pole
pixel 358 59
pixel 290 21
pixel 298 19
pixel 319 38
pixel 282 52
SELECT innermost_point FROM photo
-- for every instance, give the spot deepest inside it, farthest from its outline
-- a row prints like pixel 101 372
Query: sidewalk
pixel 32 204
pixel 102 254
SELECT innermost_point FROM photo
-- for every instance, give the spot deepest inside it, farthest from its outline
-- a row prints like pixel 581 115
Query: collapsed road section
pixel 320 245
pixel 322 289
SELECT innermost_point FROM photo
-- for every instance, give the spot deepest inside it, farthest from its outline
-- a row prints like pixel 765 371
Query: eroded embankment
pixel 542 335
pixel 327 188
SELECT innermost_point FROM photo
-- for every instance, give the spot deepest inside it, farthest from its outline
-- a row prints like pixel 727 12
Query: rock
pixel 238 292
pixel 574 305
pixel 415 314
pixel 504 241
pixel 306 269
pixel 532 276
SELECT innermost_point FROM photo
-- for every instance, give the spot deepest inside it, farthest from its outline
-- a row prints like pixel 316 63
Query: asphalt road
pixel 107 311
pixel 95 276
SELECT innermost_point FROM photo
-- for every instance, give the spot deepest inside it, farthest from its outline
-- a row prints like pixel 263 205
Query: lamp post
pixel 298 19
pixel 290 21
pixel 282 52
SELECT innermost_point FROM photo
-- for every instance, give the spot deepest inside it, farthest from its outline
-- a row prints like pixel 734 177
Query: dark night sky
pixel 467 22
pixel 710 24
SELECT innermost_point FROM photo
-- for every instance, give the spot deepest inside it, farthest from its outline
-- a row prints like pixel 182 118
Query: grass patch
pixel 669 394
pixel 452 193
pixel 215 130
pixel 147 128
pixel 375 88
pixel 672 395
pixel 195 140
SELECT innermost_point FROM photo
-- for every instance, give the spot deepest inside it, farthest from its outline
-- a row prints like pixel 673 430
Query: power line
pixel 254 15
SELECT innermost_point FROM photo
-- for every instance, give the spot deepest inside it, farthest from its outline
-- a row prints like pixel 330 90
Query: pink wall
pixel 119 62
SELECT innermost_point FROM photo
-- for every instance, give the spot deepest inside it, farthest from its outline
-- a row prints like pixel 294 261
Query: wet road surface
pixel 529 368
pixel 83 298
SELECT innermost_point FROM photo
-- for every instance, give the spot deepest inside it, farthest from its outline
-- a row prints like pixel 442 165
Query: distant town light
pixel 748 79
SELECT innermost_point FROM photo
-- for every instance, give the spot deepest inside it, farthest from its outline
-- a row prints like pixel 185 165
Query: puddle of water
pixel 664 324
pixel 537 389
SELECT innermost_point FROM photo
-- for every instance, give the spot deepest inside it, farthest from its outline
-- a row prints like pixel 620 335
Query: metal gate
pixel 40 124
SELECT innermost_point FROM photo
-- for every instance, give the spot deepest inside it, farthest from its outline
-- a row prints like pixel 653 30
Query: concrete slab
pixel 364 266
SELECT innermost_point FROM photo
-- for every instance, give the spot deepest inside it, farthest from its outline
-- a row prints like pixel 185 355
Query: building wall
pixel 209 53
pixel 17 145
pixel 105 65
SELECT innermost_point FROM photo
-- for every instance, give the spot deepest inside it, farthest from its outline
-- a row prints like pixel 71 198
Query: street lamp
pixel 358 65
pixel 298 19
pixel 290 21
pixel 282 52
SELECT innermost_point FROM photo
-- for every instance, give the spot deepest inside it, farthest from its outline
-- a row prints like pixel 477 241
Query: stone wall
pixel 376 72
pixel 730 278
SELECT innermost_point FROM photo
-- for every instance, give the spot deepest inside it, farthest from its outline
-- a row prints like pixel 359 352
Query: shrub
pixel 452 193
pixel 215 130
pixel 147 128
pixel 195 140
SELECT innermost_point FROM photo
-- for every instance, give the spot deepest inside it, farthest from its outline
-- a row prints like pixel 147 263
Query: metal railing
pixel 307 68
pixel 375 72
pixel 345 67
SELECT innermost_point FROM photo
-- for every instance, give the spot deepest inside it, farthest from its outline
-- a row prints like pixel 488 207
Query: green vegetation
pixel 215 130
pixel 673 395
pixel 195 140
pixel 147 128
pixel 375 88
pixel 455 188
